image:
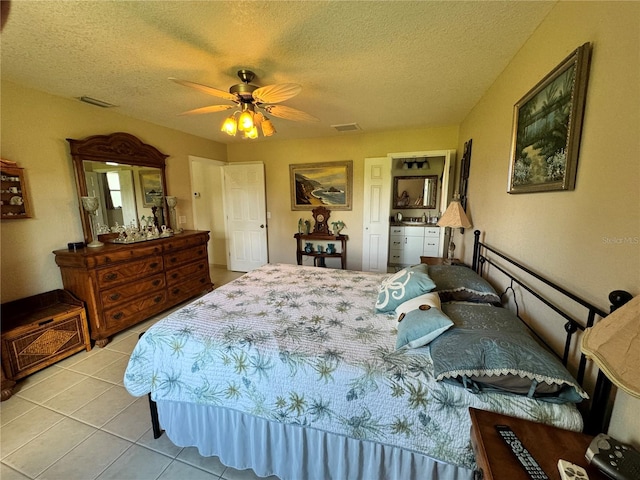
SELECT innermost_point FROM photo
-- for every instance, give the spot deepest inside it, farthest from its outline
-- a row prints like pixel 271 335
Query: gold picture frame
pixel 547 124
pixel 328 184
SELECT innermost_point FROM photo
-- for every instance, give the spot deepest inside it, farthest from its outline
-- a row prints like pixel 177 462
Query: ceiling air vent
pixel 347 127
pixel 96 102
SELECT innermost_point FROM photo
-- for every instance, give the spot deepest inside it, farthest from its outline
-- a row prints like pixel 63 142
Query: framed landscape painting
pixel 547 124
pixel 151 185
pixel 326 184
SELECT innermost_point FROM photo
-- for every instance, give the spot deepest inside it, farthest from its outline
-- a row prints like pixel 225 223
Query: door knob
pixel 262 226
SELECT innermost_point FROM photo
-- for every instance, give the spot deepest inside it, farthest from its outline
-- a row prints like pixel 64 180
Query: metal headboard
pixel 597 417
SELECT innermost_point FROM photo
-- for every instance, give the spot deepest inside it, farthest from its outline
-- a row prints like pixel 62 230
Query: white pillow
pixel 431 299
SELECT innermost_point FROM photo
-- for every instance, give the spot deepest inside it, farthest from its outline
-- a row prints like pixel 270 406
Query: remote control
pixel 615 459
pixel 571 471
pixel 522 454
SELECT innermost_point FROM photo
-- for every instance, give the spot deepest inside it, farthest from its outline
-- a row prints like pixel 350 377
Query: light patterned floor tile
pixel 97 362
pixel 137 463
pixel 13 408
pixel 7 473
pixel 50 386
pixel 114 373
pixel 25 428
pixel 124 343
pixel 37 455
pixel 181 470
pixel 132 422
pixel 78 395
pixel 105 407
pixel 89 459
pixel 162 444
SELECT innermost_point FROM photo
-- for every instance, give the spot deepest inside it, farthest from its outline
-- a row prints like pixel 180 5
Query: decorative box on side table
pixel 545 443
pixel 38 331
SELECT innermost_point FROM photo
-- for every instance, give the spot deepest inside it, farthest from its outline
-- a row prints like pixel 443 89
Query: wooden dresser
pixel 122 285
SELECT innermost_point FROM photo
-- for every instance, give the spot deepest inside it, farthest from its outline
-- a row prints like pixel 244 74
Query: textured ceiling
pixel 383 65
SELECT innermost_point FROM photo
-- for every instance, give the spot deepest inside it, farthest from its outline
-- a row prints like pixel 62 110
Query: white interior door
pixel 246 214
pixel 377 206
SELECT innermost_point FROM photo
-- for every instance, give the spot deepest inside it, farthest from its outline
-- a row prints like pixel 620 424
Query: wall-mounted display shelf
pixel 13 193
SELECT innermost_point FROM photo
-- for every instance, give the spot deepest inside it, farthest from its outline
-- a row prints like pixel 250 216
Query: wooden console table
pixel 319 258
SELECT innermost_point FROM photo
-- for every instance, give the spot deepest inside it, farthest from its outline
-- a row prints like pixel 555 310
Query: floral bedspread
pixel 303 345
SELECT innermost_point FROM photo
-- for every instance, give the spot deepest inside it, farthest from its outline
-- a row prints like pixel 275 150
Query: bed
pixel 305 372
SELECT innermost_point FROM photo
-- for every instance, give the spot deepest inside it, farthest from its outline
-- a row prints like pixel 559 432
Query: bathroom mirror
pixel 415 192
pixel 127 176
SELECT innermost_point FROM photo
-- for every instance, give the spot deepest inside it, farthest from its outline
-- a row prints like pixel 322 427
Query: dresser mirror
pixel 415 192
pixel 126 175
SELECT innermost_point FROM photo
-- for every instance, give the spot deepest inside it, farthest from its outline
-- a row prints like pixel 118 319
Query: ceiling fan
pixel 247 98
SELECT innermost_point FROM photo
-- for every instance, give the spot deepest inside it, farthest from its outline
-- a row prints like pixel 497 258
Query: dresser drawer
pixel 186 272
pixel 186 289
pixel 185 256
pixel 179 243
pixel 129 271
pixel 126 254
pixel 130 313
pixel 125 292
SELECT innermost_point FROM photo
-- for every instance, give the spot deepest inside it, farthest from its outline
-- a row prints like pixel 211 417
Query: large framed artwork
pixel 547 124
pixel 321 184
pixel 151 186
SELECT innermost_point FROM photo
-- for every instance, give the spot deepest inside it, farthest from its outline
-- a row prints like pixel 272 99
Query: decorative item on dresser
pixel 124 284
pixel 38 331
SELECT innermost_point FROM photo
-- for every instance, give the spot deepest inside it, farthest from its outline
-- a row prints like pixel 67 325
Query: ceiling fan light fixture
pixel 229 126
pixel 245 120
pixel 251 133
pixel 267 127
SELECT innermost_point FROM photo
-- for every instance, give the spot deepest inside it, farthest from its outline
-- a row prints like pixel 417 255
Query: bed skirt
pixel 291 452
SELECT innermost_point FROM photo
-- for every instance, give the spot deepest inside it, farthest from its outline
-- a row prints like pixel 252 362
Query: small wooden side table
pixel 319 258
pixel 545 443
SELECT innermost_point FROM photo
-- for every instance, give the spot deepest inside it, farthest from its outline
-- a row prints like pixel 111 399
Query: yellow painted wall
pixel 587 240
pixel 278 155
pixel 34 128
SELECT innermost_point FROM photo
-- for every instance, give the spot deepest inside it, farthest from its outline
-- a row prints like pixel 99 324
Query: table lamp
pixel 614 346
pixel 454 217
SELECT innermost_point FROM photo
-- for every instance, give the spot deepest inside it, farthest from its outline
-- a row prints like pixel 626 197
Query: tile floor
pixel 75 421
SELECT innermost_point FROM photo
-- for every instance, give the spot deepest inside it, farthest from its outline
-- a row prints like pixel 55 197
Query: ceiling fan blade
pixel 205 89
pixel 210 109
pixel 276 93
pixel 289 113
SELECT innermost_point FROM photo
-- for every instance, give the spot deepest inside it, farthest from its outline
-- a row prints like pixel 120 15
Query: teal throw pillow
pixel 419 327
pixel 404 285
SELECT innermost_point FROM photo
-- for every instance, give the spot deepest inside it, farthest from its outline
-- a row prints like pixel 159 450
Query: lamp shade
pixel 454 216
pixel 614 345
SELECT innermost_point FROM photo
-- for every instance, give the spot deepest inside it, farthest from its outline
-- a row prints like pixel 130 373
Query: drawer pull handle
pixel 111 276
pixel 154 265
pixel 176 291
pixel 45 322
pixel 115 296
pixel 201 266
pixel 175 275
pixel 118 316
pixel 156 283
pixel 157 299
pixel 173 260
pixel 107 259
